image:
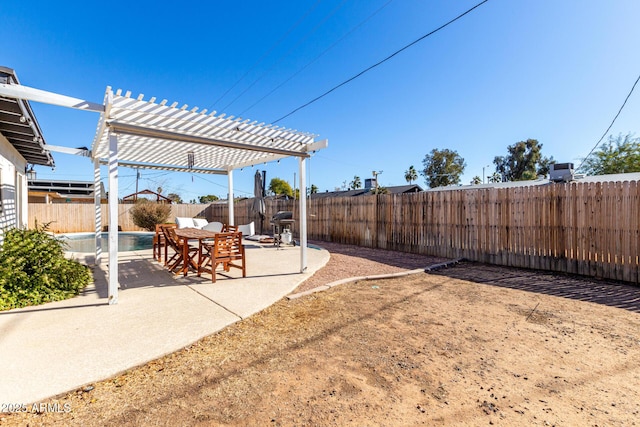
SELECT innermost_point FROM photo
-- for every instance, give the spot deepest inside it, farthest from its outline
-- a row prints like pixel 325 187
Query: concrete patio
pixel 57 347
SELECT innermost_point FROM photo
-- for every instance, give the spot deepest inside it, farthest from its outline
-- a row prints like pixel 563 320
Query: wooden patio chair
pixel 226 228
pixel 159 242
pixel 226 249
pixel 164 228
pixel 175 243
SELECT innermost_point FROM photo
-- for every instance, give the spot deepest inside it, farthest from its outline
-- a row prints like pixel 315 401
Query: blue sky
pixel 553 70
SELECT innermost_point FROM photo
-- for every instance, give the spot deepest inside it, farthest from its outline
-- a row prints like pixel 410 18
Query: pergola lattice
pixel 136 133
pixel 160 136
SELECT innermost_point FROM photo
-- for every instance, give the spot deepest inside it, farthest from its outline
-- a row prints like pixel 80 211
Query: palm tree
pixel 476 180
pixel 411 174
pixel 356 183
pixel 495 177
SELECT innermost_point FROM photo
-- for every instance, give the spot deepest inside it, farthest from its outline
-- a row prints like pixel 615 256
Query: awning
pixel 19 125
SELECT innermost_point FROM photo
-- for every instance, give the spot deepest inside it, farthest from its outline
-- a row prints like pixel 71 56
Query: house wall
pixel 13 184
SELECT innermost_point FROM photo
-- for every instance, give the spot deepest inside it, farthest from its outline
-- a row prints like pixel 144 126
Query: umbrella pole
pixel 264 184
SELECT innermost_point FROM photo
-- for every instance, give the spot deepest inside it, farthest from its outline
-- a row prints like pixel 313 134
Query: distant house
pixel 148 195
pixel 618 177
pixel 21 146
pixel 369 188
pixel 58 191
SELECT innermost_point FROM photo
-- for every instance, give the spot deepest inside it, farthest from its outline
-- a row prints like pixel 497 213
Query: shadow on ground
pixel 394 258
pixel 611 293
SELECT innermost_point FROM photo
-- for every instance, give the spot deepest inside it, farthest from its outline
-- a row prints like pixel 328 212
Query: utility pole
pixel 375 176
pixel 137 178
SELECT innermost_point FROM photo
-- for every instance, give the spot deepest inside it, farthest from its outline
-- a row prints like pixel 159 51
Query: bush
pixel 33 269
pixel 146 214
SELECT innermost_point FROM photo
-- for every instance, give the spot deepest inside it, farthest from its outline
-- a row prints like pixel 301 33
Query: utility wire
pixel 286 54
pixel 317 57
pixel 612 122
pixel 381 62
pixel 289 31
pixel 235 190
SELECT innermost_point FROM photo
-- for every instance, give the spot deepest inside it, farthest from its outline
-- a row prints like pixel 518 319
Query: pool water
pixel 85 242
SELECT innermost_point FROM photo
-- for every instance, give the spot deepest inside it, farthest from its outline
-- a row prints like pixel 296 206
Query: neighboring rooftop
pixel 617 177
pixel 132 198
pixel 19 125
pixel 41 190
pixel 398 189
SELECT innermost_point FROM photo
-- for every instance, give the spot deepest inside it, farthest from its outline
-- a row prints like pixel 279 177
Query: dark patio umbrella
pixel 257 207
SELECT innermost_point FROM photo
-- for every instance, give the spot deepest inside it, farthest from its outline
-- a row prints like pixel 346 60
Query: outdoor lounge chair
pixel 247 229
pixel 186 222
pixel 226 250
pixel 213 226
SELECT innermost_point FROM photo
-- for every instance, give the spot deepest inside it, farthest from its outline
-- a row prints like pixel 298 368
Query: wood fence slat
pixel 584 228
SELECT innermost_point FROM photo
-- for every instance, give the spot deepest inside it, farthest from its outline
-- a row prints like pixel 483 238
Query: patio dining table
pixel 186 234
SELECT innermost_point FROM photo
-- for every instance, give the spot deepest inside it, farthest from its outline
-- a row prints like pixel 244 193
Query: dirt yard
pixel 426 349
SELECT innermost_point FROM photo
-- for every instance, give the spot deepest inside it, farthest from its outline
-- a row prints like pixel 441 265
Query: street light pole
pixel 375 176
pixel 483 172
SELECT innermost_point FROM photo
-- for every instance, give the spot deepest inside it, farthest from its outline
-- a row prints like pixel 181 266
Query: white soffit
pixel 156 135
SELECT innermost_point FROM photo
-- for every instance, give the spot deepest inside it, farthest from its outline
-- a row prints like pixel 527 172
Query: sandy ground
pixel 459 347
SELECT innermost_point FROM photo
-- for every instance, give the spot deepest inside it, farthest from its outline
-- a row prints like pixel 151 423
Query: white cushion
pixel 184 222
pixel 213 226
pixel 247 229
pixel 199 222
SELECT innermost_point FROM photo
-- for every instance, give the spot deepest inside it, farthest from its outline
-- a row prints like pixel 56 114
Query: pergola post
pixel 230 201
pixel 302 161
pixel 97 200
pixel 113 218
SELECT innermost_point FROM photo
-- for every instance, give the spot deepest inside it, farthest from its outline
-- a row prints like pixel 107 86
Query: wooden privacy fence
pixel 80 217
pixel 582 228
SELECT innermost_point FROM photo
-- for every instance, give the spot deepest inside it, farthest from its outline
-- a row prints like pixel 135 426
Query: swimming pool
pixel 129 241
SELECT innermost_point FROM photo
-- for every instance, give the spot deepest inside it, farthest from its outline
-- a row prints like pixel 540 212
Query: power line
pixel 287 53
pixel 381 62
pixel 268 51
pixel 612 122
pixel 220 185
pixel 316 58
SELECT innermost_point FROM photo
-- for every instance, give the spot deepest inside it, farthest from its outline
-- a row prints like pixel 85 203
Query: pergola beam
pixel 68 150
pixel 38 95
pixel 317 145
pixel 167 167
pixel 247 164
pixel 133 130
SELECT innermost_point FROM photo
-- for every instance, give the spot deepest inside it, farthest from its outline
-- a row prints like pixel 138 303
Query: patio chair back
pixel 227 250
pixel 159 242
pixel 226 228
pixel 178 245
pixel 170 242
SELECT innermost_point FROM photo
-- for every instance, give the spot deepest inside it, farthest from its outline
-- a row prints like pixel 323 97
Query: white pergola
pixel 143 134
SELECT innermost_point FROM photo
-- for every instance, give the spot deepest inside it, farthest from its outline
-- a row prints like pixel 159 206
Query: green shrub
pixel 146 214
pixel 33 269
